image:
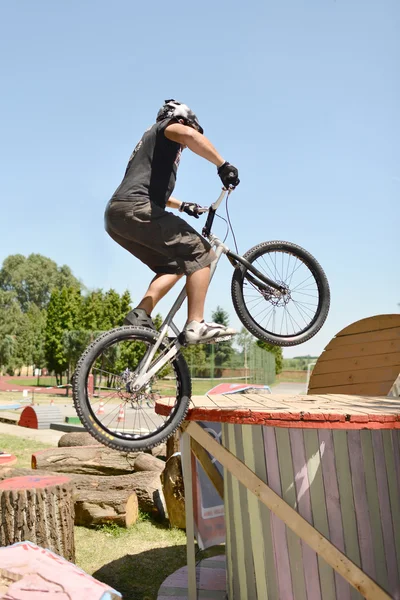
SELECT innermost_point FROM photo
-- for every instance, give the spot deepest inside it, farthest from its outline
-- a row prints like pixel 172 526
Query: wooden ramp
pixel 362 359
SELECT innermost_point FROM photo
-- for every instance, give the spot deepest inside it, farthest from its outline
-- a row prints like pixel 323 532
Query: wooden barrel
pixel 336 461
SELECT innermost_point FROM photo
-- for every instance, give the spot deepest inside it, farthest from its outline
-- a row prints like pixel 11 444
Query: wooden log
pixel 146 485
pixel 101 507
pixel 39 509
pixel 77 438
pixel 174 492
pixel 95 460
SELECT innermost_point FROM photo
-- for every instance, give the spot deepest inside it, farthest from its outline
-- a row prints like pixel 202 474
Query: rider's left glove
pixel 190 208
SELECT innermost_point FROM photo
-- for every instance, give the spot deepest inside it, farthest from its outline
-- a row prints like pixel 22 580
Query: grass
pixel 134 561
pixel 33 381
pixel 291 377
pixel 21 448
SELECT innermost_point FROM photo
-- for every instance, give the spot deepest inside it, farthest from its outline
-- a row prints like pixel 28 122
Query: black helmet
pixel 174 109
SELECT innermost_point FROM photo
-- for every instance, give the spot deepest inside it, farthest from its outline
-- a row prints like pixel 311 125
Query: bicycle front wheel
pixel 105 399
pixel 282 319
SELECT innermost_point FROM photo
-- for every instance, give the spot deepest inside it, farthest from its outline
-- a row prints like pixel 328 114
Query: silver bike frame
pixel 144 375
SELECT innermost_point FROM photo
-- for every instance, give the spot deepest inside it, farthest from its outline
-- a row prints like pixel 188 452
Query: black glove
pixel 229 175
pixel 190 208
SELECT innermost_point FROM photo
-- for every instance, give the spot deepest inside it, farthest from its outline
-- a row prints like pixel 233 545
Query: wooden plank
pixel 346 501
pixel 260 469
pixel 343 365
pixel 377 388
pixel 318 503
pixel 256 530
pixel 210 469
pixel 352 377
pixel 370 336
pixel 241 577
pixel 229 522
pixel 389 554
pixel 358 469
pixel 244 507
pixel 303 496
pixel 333 506
pixel 289 496
pixel 393 490
pixel 364 349
pixel 291 518
pixel 375 515
pixel 189 510
pixel 374 323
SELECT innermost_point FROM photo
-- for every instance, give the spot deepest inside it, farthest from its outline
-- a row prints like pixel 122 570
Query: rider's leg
pixel 159 286
pixel 196 288
pixel 196 330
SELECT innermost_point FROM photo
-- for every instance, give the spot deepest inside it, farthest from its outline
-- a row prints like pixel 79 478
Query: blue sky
pixel 302 96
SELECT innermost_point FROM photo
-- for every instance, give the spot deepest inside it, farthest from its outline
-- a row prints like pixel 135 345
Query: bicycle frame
pixel 144 373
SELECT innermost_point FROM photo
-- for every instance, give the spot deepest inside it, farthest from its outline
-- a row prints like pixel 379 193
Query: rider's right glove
pixel 190 208
pixel 229 175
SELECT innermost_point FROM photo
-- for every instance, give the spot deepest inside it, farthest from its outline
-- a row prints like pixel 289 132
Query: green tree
pixel 63 315
pixel 33 278
pixel 92 311
pixel 223 351
pixel 276 351
pixel 10 322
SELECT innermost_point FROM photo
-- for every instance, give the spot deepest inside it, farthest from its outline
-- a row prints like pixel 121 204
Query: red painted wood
pixel 31 481
pixel 7 461
pixel 28 418
pixel 333 411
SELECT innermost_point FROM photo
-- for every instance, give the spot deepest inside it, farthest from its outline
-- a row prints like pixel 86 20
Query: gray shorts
pixel 161 240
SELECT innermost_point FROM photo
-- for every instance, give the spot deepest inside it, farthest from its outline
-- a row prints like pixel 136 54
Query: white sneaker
pixel 199 332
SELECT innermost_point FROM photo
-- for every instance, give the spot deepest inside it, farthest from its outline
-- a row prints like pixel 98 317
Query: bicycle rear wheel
pixel 106 402
pixel 282 319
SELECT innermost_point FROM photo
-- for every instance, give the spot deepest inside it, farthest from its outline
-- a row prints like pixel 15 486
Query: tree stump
pixel 98 508
pixel 39 509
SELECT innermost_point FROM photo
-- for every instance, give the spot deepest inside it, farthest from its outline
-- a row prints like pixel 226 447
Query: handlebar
pixel 216 204
pixel 212 210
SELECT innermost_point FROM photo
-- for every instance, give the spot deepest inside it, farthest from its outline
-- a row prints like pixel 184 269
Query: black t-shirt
pixel 151 170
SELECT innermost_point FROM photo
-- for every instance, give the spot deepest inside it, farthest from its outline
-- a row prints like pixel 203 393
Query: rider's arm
pixel 173 202
pixel 195 141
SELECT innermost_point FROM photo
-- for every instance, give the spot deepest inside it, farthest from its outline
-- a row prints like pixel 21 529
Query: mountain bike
pixel 280 294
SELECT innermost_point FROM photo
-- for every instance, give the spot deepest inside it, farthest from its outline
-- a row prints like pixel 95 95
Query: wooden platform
pixel 211 581
pixel 331 411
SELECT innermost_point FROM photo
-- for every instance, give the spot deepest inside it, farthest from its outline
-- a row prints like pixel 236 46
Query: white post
pixel 186 455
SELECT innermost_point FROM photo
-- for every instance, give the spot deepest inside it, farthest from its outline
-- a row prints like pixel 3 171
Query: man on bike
pixel 136 218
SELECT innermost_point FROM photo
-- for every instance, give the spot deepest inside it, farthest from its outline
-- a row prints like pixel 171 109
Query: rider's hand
pixel 190 208
pixel 229 175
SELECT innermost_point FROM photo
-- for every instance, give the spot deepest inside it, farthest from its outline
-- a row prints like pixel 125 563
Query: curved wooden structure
pixel 40 417
pixel 311 494
pixel 363 358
